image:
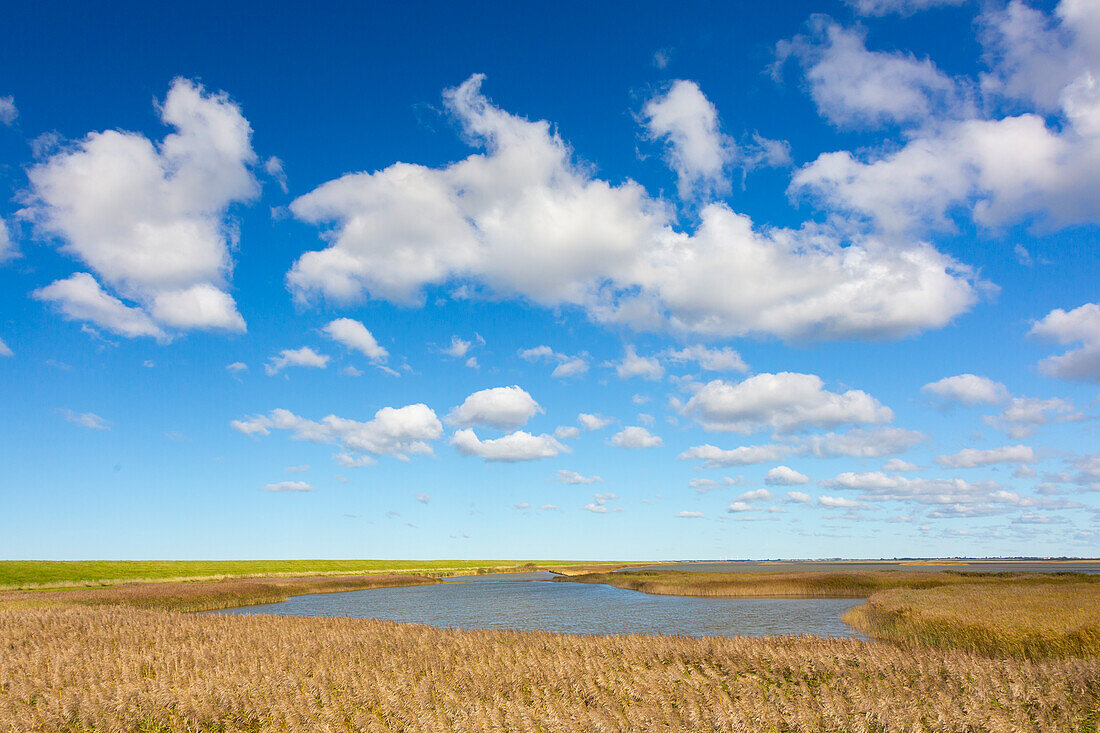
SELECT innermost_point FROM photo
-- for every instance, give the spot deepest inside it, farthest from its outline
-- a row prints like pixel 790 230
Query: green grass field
pixel 16 574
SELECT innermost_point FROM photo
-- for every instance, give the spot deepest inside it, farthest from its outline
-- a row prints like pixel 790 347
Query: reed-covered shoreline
pixel 1027 615
pixel 1032 621
pixel 798 584
pixel 206 595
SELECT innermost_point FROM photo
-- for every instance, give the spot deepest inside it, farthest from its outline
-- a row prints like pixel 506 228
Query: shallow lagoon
pixel 526 601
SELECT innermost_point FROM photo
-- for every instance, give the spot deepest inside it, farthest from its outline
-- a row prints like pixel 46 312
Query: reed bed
pixel 208 595
pixel 1030 620
pixel 855 584
pixel 840 584
pixel 82 669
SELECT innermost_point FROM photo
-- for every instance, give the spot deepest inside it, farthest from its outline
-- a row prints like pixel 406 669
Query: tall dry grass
pixel 1030 620
pixel 853 584
pixel 205 595
pixel 123 669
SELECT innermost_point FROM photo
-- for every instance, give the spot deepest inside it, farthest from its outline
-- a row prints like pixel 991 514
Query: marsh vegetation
pixel 125 669
pixel 958 652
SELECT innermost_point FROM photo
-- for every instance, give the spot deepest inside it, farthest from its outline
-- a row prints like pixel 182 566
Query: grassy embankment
pixel 1031 615
pixel 16 574
pixel 125 669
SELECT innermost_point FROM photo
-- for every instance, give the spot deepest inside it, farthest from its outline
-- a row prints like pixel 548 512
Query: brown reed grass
pixel 847 584
pixel 811 584
pixel 206 595
pixel 65 670
pixel 1030 620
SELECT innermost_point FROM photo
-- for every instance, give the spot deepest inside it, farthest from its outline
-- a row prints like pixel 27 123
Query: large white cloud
pixel 511 448
pixel 499 407
pixel 1080 325
pixel 786 401
pixel 5 350
pixel 968 389
pixel 150 219
pixel 998 169
pixel 522 218
pixel 399 432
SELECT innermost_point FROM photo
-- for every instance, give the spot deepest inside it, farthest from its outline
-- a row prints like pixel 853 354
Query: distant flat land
pixel 963 565
pixel 29 573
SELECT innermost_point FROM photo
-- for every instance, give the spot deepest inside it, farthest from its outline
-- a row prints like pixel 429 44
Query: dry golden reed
pixel 206 595
pixel 798 584
pixel 1020 619
pixel 70 669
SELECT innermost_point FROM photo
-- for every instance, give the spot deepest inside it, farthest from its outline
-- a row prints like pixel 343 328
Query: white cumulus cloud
pixel 1039 165
pixel 511 448
pixel 303 357
pixel 567 366
pixel 150 219
pixel 1080 325
pixel 785 476
pixel 634 365
pixel 697 151
pixel 398 432
pixel 635 436
pixel 968 389
pixel 856 87
pixel 354 335
pixel 593 422
pixel 785 401
pixel 745 455
pixel 500 407
pixel 522 218
pixel 1022 416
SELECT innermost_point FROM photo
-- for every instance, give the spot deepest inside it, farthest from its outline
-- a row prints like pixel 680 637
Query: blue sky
pixel 612 281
